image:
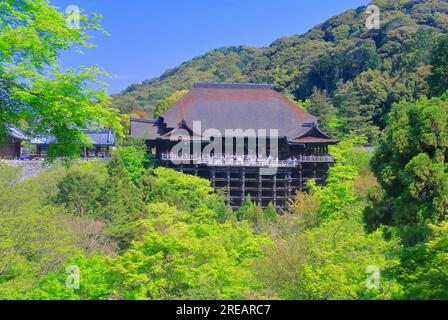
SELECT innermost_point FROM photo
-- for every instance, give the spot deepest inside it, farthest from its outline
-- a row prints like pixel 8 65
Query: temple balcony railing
pixel 239 161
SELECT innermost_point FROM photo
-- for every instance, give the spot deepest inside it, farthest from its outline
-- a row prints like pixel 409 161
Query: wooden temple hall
pixel 246 138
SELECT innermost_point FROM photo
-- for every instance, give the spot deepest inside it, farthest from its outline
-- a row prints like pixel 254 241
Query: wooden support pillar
pixel 228 186
pixel 243 185
pixel 300 177
pixel 289 183
pixel 274 190
pixel 196 170
pixel 260 186
pixel 214 177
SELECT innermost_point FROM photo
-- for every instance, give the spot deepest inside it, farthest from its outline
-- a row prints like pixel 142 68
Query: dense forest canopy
pixel 360 72
pixel 135 230
pixel 138 231
pixel 36 93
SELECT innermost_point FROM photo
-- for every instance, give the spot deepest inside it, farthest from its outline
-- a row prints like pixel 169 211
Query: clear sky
pixel 149 36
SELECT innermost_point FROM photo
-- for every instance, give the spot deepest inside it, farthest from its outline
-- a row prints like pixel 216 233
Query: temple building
pixel 10 144
pixel 246 138
pixel 102 142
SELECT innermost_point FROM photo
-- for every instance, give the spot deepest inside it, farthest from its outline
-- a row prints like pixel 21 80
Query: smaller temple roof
pixel 104 137
pixel 43 140
pixel 15 133
pixel 145 128
pixel 312 134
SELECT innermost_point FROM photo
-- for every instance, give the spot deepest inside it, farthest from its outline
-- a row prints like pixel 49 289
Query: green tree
pixel 253 213
pixel 361 101
pixel 325 73
pixel 136 156
pixel 270 213
pixel 177 258
pixel 321 105
pixel 321 250
pixel 120 203
pixel 188 259
pixel 34 237
pixel 410 164
pixel 78 192
pixel 338 198
pixel 185 192
pixel 38 93
pixel 134 160
pixel 96 281
pixel 438 81
pixel 424 272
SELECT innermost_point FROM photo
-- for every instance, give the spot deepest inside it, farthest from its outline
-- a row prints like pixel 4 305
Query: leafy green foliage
pixel 133 158
pixel 321 105
pixel 78 192
pixel 175 259
pixel 36 237
pixel 177 239
pixel 185 192
pixel 95 281
pixel 106 193
pixel 410 166
pixel 258 218
pixel 439 62
pixel 424 272
pixel 136 156
pixel 361 102
pixel 199 260
pixel 38 94
pixel 347 75
pixel 120 203
pixel 337 257
pixel 321 250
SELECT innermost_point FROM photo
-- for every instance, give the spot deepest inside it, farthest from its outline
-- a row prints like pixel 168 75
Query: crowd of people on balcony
pixel 240 160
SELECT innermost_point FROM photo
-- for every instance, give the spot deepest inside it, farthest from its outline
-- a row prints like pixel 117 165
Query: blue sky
pixel 149 36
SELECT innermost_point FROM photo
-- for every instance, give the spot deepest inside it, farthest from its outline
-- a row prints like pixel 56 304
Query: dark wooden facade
pixel 269 173
pixel 102 142
pixel 9 149
pixel 10 144
pixel 277 188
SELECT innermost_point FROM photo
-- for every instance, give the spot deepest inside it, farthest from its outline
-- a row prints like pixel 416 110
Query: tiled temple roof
pixel 233 106
pixel 104 137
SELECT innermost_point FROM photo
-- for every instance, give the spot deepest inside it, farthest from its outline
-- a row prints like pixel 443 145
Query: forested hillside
pixel 351 76
pixel 128 228
pixel 134 231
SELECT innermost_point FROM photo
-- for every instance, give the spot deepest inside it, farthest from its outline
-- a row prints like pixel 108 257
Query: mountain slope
pixel 360 73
